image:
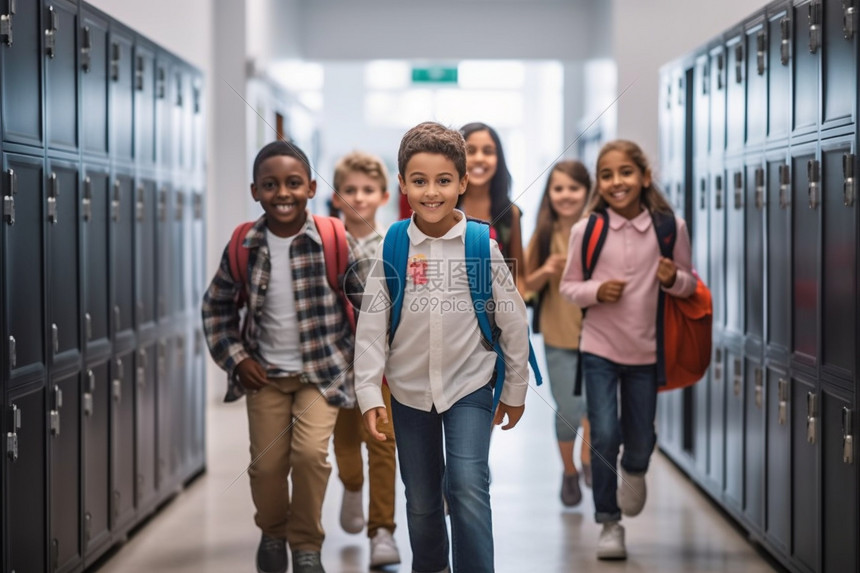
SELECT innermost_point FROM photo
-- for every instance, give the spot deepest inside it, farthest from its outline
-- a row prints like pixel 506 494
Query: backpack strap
pixel 665 228
pixel 395 255
pixel 237 255
pixel 593 240
pixel 336 255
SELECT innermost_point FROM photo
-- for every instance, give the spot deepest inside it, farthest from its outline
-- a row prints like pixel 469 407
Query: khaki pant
pixel 349 433
pixel 290 425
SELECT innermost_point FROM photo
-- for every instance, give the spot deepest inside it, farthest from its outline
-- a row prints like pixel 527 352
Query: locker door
pixel 178 124
pixel 186 109
pixel 122 441
pixel 147 287
pixel 146 437
pixel 144 102
pixel 756 83
pixel 735 232
pixel 198 248
pixel 166 412
pixel 65 443
pixel 839 484
pixel 199 404
pixel 717 259
pixel 179 269
pixel 701 107
pixel 24 509
pixel 805 175
pixel 21 72
pixel 164 102
pixel 839 264
pixel 166 252
pixel 806 47
pixel 60 19
pixel 96 436
pixel 839 63
pixel 754 444
pixel 735 430
pixel 716 417
pixel 122 264
pixel 778 211
pixel 64 269
pixel 754 250
pixel 121 78
pixel 718 100
pixel 198 150
pixel 179 414
pixel 24 273
pixel 735 93
pixel 805 495
pixel 778 512
pixel 94 83
pixel 779 74
pixel 96 234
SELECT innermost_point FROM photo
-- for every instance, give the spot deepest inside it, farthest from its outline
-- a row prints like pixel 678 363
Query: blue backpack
pixel 395 252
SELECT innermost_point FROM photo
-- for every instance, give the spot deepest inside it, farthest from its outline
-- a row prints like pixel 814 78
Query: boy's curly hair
pixel 361 162
pixel 432 137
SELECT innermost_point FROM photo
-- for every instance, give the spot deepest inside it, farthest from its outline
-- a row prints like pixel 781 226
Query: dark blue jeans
pixel 635 427
pixel 455 459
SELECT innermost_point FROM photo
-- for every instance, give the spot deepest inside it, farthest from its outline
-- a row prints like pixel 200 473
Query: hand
pixel 667 272
pixel 252 375
pixel 554 265
pixel 514 414
pixel 611 291
pixel 371 417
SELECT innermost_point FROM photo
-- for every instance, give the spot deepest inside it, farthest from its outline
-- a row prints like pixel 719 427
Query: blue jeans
pixel 461 469
pixel 635 427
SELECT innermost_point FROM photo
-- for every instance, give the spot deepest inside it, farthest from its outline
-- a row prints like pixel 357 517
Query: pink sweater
pixel 625 331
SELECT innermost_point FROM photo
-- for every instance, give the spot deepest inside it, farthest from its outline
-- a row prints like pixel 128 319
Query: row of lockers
pixel 758 140
pixel 102 377
pixel 74 80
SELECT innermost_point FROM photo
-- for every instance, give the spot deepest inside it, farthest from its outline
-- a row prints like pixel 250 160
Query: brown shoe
pixel 571 495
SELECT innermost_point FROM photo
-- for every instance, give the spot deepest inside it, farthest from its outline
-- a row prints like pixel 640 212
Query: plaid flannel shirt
pixel 326 340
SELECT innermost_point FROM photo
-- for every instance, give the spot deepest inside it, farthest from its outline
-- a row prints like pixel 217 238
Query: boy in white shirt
pixel 439 368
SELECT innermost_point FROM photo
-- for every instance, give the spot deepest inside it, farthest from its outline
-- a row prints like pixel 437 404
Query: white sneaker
pixel 352 511
pixel 631 493
pixel 383 549
pixel 611 542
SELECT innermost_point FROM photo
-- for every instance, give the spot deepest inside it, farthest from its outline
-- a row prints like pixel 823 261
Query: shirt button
pixel 264 286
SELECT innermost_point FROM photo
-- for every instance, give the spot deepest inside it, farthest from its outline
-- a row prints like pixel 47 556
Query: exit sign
pixel 435 74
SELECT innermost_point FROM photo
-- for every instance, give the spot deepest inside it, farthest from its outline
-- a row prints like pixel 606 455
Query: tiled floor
pixel 210 528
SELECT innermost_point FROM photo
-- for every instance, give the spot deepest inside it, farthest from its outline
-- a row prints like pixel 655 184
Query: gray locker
pixel 122 262
pixel 168 411
pixel 778 462
pixel 735 91
pixel 701 107
pixel 198 127
pixel 144 102
pixel 718 100
pixel 146 437
pixel 198 245
pixel 166 251
pixel 95 49
pixel 180 271
pixel 753 285
pixel 198 408
pixel 806 49
pixel 96 216
pixel 60 24
pixel 146 246
pixel 717 259
pixel 805 493
pixel 806 200
pixel 839 483
pixel 21 72
pixel 754 444
pixel 778 212
pixel 63 259
pixel 184 110
pixel 95 411
pixel 735 430
pixel 65 448
pixel 735 249
pixel 755 64
pixel 122 392
pixel 716 419
pixel 779 72
pixel 25 505
pixel 165 101
pixel 121 81
pixel 838 55
pixel 23 227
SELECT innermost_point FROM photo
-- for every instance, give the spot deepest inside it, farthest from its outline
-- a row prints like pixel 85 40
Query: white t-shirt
pixel 279 330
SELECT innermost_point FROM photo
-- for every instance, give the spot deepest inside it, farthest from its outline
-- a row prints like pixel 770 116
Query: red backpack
pixel 335 252
pixel 684 325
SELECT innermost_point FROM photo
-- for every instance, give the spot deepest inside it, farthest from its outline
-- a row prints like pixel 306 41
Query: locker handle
pixel 12 436
pixel 115 202
pixel 703 195
pixel 814 172
pixel 681 91
pixel 88 320
pixel 738 377
pixel 13 352
pixel 706 78
pixel 87 200
pixel 785 41
pixel 55 423
pixel 848 25
pixel 848 187
pixel 162 205
pixel 160 87
pixel 53 193
pixel 847 436
pixel 721 65
pixel 198 206
pixel 55 338
pixel 814 15
pixel 179 101
pixel 6 24
pixel 9 198
pixel 51 33
pixel 784 185
pixel 759 388
pixel 196 100
pixel 86 48
pixel 117 390
pixel 783 401
pixel 759 188
pixel 88 395
pixel 718 194
pixel 739 190
pixel 91 381
pixel 58 397
pixel 116 56
pixel 180 205
pixel 739 63
pixel 761 51
pixel 139 205
pixel 811 417
pixel 139 73
pixel 117 315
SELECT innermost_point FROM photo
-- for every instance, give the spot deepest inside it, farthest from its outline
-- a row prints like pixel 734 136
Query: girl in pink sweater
pixel 619 347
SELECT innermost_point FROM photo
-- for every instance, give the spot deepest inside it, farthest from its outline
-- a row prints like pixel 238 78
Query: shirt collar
pixel 256 237
pixel 641 222
pixel 416 236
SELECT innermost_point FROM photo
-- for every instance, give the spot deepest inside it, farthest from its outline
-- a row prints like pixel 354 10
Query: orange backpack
pixel 684 325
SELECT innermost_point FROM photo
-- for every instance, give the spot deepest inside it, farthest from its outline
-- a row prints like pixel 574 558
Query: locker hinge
pixel 814 26
pixel 721 65
pixel 784 186
pixel 813 168
pixel 55 338
pixel 88 325
pixel 198 206
pixel 139 73
pixel 681 91
pixel 179 99
pixel 847 436
pixel 739 63
pixel 9 198
pixel 784 41
pixel 738 377
pixel 739 189
pixel 6 24
pixel 848 25
pixel 783 401
pixel 811 417
pixel 51 33
pixel 86 48
pixel 87 200
pixel 139 205
pixel 88 395
pixel 116 56
pixel 180 206
pixel 848 188
pixel 162 205
pixel 55 412
pixel 160 89
pixel 115 202
pixel 53 193
pixel 761 51
pixel 759 388
pixel 12 436
pixel 703 194
pixel 718 192
pixel 759 188
pixel 13 352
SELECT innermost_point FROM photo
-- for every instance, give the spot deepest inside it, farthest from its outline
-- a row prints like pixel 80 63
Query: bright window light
pixel 298 76
pixel 490 74
pixel 387 75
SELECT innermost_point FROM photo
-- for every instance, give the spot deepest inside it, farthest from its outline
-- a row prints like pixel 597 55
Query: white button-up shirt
pixel 438 356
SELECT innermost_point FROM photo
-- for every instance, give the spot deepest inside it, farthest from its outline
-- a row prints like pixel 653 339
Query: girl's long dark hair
pixel 500 185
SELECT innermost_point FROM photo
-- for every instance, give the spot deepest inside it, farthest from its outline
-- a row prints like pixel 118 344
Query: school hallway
pixel 209 526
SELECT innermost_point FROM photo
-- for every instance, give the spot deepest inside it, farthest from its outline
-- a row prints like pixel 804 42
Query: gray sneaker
pixel 307 562
pixel 272 555
pixel 571 495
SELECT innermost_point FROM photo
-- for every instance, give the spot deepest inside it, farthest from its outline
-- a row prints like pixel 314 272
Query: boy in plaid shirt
pixel 292 358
